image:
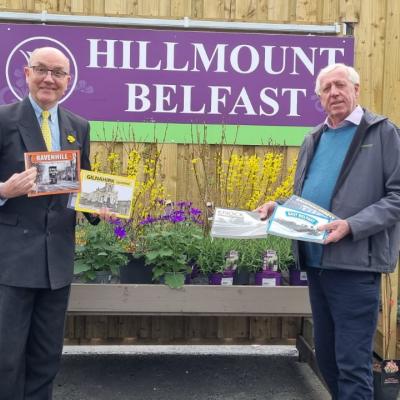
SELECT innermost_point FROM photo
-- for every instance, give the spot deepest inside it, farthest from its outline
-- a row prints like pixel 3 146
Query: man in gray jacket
pixel 350 165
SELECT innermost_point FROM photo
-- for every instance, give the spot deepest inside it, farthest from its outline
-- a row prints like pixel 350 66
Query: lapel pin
pixel 71 138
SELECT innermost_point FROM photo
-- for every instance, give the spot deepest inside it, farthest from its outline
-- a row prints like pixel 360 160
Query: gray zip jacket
pixel 367 195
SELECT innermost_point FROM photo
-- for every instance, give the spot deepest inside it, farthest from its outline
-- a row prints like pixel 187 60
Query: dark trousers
pixel 31 340
pixel 345 307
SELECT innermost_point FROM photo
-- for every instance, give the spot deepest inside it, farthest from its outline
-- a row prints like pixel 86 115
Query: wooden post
pixel 386 335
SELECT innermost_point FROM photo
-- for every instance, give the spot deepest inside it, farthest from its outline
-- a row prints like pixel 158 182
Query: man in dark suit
pixel 36 234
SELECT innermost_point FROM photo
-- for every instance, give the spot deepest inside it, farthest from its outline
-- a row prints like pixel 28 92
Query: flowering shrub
pixel 240 180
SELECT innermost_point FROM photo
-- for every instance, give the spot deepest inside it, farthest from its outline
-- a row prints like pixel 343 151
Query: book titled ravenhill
pixel 58 172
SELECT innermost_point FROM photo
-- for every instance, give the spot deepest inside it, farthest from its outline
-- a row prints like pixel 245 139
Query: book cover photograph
pixel 297 224
pixel 58 172
pixel 237 224
pixel 99 190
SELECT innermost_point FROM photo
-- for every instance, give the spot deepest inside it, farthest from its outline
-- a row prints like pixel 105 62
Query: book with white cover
pixel 237 224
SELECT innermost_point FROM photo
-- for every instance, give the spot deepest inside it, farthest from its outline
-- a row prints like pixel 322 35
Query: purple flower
pixel 148 220
pixel 119 232
pixel 177 216
pixel 195 211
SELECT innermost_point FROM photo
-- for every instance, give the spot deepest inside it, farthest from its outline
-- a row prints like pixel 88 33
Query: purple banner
pixel 140 75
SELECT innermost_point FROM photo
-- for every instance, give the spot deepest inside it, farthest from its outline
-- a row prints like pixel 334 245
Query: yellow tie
pixel 46 132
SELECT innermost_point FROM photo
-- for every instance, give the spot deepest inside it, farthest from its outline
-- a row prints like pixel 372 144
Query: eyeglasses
pixel 43 71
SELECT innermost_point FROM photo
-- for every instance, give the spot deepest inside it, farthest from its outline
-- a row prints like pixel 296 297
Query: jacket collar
pixel 68 135
pixel 31 134
pixel 368 120
pixel 29 128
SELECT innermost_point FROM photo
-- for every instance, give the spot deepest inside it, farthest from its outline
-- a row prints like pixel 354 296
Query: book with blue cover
pixel 297 224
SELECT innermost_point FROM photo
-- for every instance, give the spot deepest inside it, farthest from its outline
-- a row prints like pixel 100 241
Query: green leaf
pixel 80 266
pixel 175 280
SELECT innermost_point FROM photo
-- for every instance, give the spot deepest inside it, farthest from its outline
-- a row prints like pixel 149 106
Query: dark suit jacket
pixel 37 235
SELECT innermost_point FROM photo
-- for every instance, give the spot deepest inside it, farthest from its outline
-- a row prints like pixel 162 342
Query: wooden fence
pixel 376 29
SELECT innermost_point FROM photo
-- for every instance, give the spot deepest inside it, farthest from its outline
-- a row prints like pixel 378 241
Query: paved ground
pixel 186 373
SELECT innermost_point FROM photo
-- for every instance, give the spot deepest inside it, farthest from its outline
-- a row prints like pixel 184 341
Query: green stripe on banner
pixel 187 133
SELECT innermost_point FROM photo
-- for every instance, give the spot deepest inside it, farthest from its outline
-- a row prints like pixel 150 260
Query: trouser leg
pixel 352 300
pixel 45 341
pixel 16 306
pixel 324 338
pixel 355 306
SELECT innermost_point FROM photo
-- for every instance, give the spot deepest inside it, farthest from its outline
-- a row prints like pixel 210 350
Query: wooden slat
pixel 149 8
pixel 350 9
pixel 213 9
pixel 280 11
pixel 391 72
pixel 330 11
pixel 97 7
pixel 169 170
pixel 196 9
pixel 370 38
pixel 386 344
pixel 246 10
pixel 46 5
pixel 190 300
pixel 306 11
pixel 180 8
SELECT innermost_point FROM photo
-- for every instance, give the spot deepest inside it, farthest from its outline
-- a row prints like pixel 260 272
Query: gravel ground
pixel 185 373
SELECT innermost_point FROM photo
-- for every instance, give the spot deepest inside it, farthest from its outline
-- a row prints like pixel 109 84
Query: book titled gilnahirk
pixel 100 190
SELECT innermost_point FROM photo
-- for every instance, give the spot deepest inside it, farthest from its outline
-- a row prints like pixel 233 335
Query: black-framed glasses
pixel 41 71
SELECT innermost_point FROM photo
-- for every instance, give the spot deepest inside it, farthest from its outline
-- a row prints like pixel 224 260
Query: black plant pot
pixel 136 271
pixel 200 279
pixel 102 277
pixel 385 388
pixel 241 277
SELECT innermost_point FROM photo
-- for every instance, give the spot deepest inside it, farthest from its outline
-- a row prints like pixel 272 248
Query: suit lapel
pixel 29 128
pixel 68 136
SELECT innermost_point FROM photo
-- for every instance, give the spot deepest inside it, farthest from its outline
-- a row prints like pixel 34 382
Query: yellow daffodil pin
pixel 71 138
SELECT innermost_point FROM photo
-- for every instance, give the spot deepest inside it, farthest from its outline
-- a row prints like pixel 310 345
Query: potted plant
pixel 136 270
pixel 253 257
pixel 250 260
pixel 213 261
pixel 171 242
pixel 100 251
pixel 386 379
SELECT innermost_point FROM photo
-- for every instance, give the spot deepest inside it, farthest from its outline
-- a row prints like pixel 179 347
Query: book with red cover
pixel 58 172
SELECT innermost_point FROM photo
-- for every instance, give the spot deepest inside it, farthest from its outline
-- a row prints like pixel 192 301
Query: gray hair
pixel 352 75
